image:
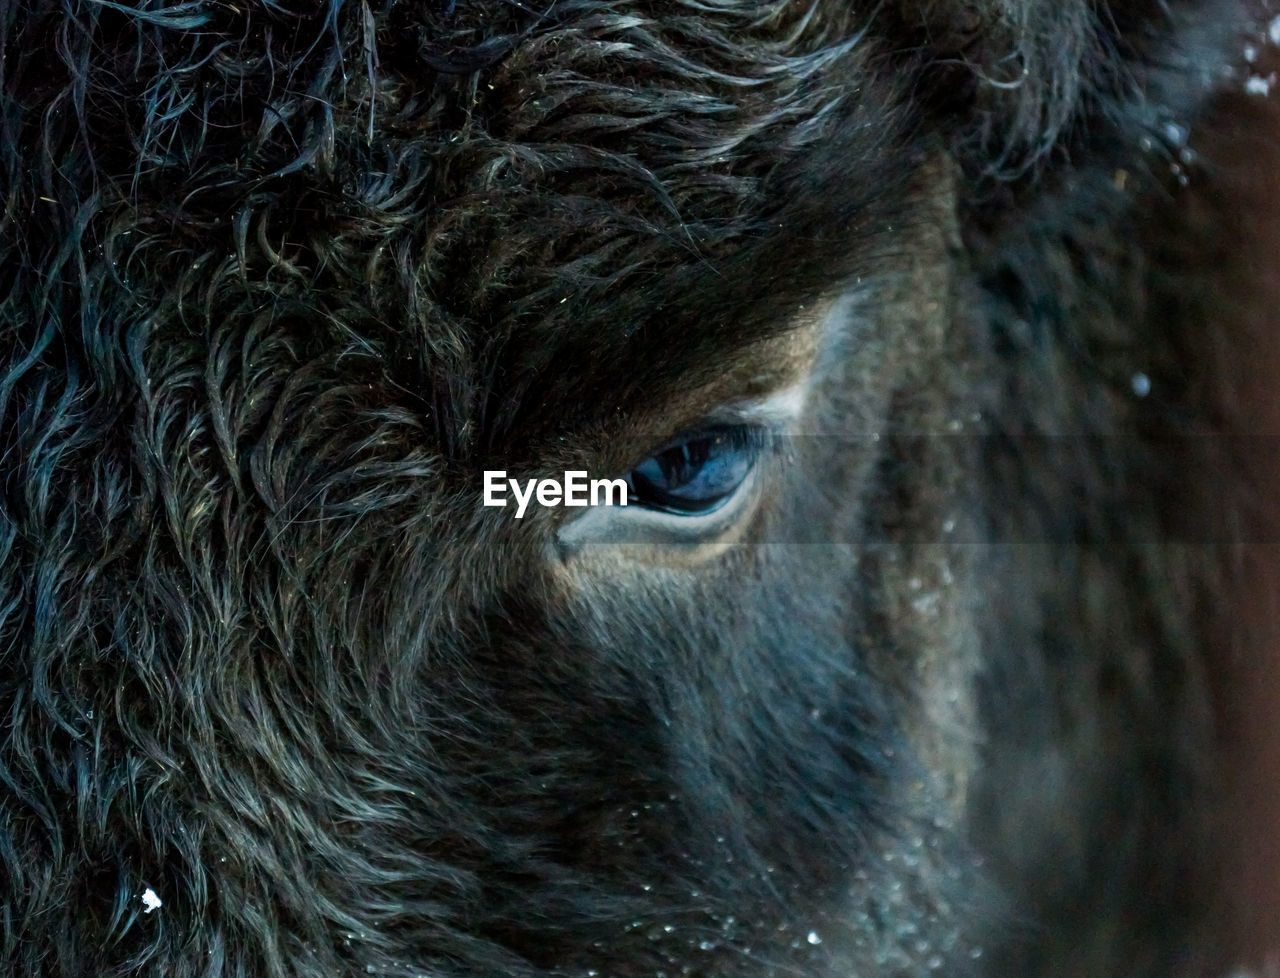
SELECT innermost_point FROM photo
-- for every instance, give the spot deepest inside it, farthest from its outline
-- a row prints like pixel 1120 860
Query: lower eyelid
pixel 693 533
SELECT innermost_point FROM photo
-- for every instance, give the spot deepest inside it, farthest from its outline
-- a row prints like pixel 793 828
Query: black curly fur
pixel 279 279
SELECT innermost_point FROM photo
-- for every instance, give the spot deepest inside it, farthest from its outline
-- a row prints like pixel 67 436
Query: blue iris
pixel 697 473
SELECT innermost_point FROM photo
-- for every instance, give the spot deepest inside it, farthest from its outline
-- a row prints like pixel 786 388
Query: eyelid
pixel 741 435
pixel 777 412
pixel 764 417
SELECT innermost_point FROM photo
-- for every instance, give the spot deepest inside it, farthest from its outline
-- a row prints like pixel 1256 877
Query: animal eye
pixel 697 473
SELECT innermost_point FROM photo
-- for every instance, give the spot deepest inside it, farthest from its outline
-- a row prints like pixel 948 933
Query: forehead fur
pixel 467 204
pixel 507 222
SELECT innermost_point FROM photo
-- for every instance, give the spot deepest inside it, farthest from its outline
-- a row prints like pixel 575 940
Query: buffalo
pixel 929 343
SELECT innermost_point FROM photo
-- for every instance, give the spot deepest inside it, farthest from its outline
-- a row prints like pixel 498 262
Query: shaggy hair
pixel 278 280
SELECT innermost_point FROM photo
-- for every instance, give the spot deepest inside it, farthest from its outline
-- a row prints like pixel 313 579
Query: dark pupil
pixel 680 464
pixel 692 476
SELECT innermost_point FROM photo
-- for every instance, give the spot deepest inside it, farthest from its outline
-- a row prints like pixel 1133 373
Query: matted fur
pixel 278 280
